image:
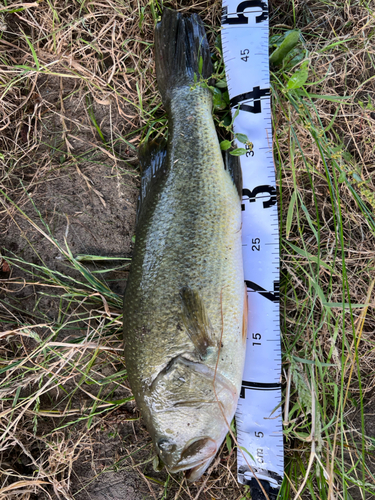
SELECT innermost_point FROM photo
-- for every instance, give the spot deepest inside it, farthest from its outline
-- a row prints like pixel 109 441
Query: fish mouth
pixel 196 472
pixel 196 457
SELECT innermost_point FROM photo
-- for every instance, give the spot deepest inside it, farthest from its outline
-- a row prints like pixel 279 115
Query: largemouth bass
pixel 185 300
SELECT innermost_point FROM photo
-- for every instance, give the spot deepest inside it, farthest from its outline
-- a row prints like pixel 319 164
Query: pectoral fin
pixel 196 321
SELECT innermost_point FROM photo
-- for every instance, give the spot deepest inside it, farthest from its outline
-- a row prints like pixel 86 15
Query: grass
pixel 78 95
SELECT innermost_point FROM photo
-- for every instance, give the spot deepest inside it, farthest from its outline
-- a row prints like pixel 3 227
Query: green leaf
pixel 342 177
pixel 311 258
pixel 218 99
pixel 200 65
pixel 289 217
pixel 299 78
pixel 157 464
pixel 227 122
pixel 310 361
pixel 332 98
pixel 221 84
pixel 238 152
pixel 286 46
pixel 236 113
pixel 357 178
pixel 35 57
pixel 228 442
pixel 346 305
pixel 141 17
pixel 242 138
pixel 224 145
pixel 246 451
pixel 95 258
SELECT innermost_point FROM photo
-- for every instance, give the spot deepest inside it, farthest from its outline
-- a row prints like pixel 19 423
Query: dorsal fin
pixel 233 165
pixel 153 161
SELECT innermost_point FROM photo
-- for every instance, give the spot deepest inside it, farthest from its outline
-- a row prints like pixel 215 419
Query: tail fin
pixel 181 50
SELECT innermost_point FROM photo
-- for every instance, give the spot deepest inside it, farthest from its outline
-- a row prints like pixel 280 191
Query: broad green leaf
pixel 221 84
pixel 218 99
pixel 286 46
pixel 242 138
pixel 299 78
pixel 238 152
pixel 236 113
pixel 224 145
pixel 342 177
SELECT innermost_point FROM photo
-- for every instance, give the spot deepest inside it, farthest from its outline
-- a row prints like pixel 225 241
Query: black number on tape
pixel 240 17
pixel 252 195
pixel 259 456
pixel 249 151
pixel 272 296
pixel 256 94
pixel 256 244
pixel 258 386
pixel 245 54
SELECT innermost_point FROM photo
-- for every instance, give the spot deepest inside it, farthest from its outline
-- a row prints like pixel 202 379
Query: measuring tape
pixel 245 32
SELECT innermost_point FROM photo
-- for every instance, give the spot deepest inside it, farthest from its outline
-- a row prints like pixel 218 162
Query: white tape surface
pixel 259 426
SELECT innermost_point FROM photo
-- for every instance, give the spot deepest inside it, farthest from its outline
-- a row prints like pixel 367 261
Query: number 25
pixel 256 244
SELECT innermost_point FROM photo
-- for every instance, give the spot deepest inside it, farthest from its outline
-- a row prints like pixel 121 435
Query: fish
pixel 185 303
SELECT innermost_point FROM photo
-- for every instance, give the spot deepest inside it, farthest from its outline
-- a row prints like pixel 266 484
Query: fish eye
pixel 165 445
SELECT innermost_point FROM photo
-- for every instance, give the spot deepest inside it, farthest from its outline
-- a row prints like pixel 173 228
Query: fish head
pixel 189 410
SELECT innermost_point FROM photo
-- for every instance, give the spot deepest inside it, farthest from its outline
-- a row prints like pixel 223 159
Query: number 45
pixel 244 54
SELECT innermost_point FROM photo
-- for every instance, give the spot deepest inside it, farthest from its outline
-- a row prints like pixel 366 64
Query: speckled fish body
pixel 185 299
